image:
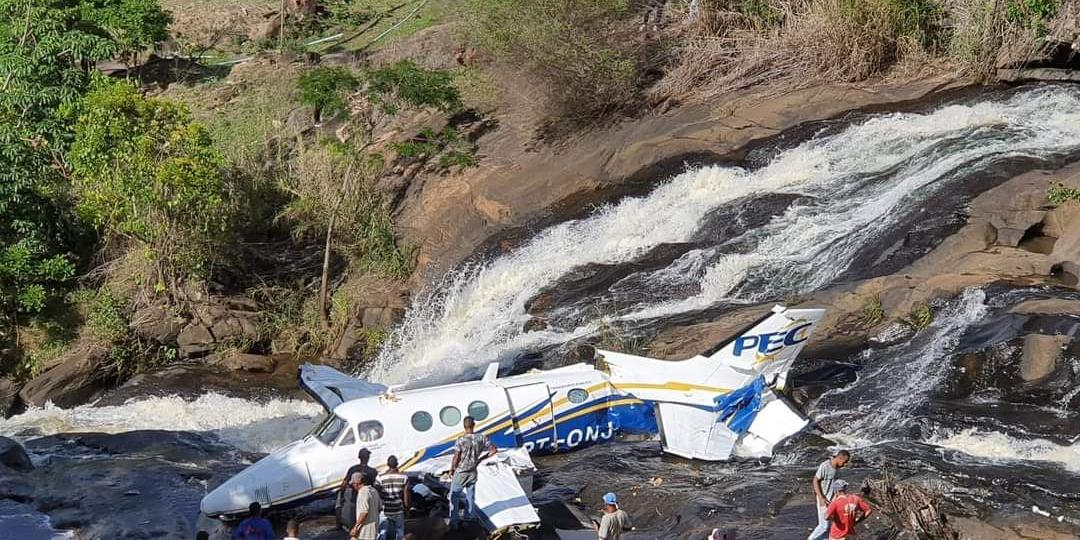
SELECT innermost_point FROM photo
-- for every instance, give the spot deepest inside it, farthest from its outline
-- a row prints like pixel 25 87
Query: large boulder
pixel 74 379
pixel 195 339
pixel 157 323
pixel 13 456
pixel 1040 355
pixel 256 363
pixel 9 396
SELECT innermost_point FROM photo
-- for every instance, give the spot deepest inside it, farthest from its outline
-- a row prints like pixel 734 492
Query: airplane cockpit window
pixel 577 395
pixel 450 416
pixel 347 439
pixel 369 431
pixel 421 421
pixel 329 430
pixel 478 410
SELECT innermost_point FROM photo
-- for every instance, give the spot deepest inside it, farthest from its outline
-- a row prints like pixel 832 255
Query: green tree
pixel 143 170
pixel 133 25
pixel 46 51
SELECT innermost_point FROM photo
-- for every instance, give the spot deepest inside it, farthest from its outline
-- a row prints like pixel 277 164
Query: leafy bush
pixel 1033 15
pixel 325 88
pixel 568 43
pixel 408 83
pixel 1059 193
pixel 143 170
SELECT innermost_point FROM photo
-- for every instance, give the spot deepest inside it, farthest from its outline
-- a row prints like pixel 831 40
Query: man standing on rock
pixel 822 483
pixel 468 453
pixel 346 498
pixel 845 511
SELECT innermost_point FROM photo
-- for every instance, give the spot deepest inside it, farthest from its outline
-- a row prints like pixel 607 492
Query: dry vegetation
pixel 729 45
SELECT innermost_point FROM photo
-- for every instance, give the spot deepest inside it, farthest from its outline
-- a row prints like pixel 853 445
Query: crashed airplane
pixel 725 402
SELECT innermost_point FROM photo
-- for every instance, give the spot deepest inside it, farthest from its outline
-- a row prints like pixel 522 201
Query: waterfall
pixel 854 185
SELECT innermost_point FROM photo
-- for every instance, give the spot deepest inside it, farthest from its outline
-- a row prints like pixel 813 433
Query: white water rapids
pixel 860 180
pixel 857 182
pixel 244 424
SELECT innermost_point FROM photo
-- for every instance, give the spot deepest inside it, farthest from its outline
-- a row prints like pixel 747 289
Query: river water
pixel 945 404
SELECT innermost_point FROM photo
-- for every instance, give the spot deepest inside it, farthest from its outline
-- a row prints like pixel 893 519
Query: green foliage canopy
pixel 325 87
pixel 143 170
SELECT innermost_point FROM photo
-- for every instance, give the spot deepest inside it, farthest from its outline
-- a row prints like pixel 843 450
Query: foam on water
pixel 244 424
pixel 898 379
pixel 995 446
pixel 860 180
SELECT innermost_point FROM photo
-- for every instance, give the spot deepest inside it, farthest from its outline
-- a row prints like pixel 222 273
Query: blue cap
pixel 839 485
pixel 609 498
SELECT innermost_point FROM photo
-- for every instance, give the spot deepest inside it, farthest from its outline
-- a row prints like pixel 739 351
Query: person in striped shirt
pixel 394 486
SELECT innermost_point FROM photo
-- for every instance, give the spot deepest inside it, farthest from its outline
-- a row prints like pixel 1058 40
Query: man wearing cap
pixel 368 507
pixel 845 511
pixel 614 522
pixel 822 483
pixel 346 499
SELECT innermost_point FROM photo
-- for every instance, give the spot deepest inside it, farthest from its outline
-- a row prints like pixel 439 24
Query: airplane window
pixel 328 432
pixel 370 430
pixel 577 395
pixel 347 439
pixel 450 416
pixel 478 410
pixel 421 421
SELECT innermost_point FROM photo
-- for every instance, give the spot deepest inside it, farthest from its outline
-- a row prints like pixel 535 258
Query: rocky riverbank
pixel 993 235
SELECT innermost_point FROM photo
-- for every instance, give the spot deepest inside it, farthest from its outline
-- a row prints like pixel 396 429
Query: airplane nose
pixel 227 498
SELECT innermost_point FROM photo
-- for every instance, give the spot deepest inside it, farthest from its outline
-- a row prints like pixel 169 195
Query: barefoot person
pixel 469 451
pixel 845 511
pixel 823 490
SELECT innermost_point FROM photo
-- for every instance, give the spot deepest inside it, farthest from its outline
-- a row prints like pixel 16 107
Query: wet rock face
pixel 74 378
pixel 144 484
pixel 13 456
pixel 1040 355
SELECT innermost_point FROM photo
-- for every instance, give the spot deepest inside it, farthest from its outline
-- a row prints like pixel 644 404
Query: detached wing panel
pixel 331 387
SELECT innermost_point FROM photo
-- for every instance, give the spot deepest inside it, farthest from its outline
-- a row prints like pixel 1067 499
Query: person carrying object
pixel 822 484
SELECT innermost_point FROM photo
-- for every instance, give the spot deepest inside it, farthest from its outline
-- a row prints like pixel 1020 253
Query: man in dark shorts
pixel 469 450
pixel 345 506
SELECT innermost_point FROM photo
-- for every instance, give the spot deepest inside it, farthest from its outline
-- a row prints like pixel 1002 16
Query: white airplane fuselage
pixel 542 411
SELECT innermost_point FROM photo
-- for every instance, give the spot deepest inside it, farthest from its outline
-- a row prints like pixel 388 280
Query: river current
pixel 796 219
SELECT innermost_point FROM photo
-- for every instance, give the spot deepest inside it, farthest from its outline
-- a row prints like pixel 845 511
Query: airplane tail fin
pixel 724 401
pixel 767 347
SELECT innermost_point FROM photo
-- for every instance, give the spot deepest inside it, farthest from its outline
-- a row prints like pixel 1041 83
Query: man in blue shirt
pixel 254 527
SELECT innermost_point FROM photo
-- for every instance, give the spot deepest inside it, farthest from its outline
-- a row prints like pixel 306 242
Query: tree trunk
pixel 324 285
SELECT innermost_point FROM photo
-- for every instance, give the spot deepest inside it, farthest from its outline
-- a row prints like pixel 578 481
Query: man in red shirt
pixel 845 511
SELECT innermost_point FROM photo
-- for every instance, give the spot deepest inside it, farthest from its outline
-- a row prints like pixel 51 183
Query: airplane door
pixel 531 407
